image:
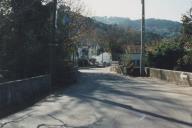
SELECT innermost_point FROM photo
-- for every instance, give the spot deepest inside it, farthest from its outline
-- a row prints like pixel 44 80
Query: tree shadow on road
pixel 106 84
pixel 174 120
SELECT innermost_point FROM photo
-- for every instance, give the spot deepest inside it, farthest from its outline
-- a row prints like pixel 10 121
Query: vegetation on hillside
pixel 164 28
pixel 114 38
pixel 174 54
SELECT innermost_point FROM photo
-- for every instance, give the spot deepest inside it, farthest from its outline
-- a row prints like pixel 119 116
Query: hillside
pixel 165 28
pixel 111 37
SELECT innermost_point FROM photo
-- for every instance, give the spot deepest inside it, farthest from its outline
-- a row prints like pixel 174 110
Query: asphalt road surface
pixel 106 100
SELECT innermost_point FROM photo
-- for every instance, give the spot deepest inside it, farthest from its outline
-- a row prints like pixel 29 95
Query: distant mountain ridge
pixel 165 28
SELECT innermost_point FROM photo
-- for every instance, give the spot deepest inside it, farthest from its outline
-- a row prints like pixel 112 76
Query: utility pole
pixel 53 45
pixel 102 57
pixel 142 36
pixel 54 17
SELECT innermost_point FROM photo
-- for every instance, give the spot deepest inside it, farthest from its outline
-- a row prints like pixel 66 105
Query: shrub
pixel 166 56
pixel 187 61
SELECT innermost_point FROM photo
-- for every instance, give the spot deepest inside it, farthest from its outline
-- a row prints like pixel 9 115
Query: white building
pixel 103 58
pixel 87 51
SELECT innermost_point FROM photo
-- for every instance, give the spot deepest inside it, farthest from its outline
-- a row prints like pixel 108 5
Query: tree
pixel 25 35
pixel 166 56
pixel 187 25
pixel 174 53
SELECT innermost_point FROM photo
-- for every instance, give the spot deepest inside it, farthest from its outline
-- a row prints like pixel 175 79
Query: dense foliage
pixel 26 36
pixel 174 54
pixel 24 33
pixel 166 56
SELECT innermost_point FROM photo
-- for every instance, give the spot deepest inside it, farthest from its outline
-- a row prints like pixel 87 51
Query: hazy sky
pixel 163 9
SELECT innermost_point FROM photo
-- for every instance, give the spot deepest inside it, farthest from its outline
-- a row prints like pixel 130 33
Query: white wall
pixel 106 57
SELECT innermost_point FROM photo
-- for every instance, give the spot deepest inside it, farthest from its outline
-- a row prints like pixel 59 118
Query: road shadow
pixel 90 85
pixel 174 120
pixel 117 85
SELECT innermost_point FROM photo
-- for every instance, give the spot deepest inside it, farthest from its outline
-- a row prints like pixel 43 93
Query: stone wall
pixel 116 69
pixel 178 77
pixel 22 92
pixel 131 71
pixel 16 95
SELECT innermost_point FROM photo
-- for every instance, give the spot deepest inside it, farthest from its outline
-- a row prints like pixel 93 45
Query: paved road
pixel 106 100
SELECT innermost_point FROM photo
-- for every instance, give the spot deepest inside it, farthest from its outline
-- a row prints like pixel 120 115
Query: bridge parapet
pixel 178 77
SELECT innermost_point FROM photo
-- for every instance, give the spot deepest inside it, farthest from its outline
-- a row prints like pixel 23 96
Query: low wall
pixel 15 95
pixel 21 92
pixel 131 71
pixel 117 69
pixel 178 77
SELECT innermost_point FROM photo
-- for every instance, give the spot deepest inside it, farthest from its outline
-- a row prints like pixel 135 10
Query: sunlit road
pixel 106 100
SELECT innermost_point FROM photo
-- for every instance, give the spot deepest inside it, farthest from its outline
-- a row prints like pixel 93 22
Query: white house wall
pixel 106 57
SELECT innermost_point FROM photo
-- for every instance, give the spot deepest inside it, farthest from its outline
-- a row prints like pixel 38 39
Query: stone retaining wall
pixel 16 95
pixel 117 69
pixel 22 92
pixel 135 71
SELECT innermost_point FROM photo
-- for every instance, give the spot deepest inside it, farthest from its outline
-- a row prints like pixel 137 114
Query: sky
pixel 161 9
